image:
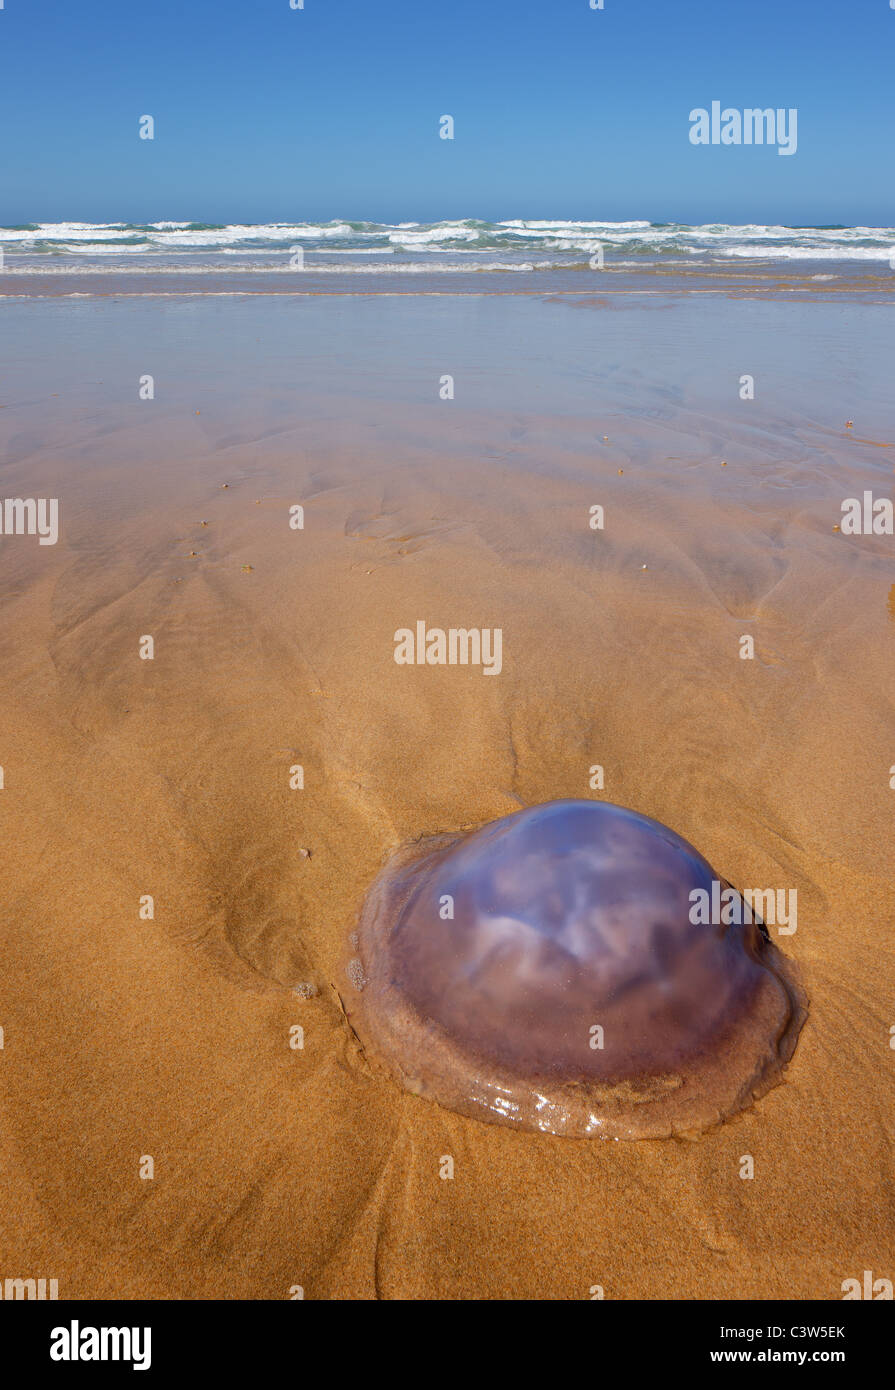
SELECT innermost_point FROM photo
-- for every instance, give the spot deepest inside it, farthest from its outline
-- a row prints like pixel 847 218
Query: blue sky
pixel 267 113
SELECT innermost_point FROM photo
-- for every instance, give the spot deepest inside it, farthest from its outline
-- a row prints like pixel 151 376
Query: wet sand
pixel 123 777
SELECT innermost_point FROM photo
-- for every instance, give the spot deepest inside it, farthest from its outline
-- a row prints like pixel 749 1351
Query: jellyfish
pixel 549 971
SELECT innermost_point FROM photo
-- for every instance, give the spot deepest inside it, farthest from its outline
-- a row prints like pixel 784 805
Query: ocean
pixel 468 255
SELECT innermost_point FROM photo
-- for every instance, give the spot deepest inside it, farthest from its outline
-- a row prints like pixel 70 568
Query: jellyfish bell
pixel 546 971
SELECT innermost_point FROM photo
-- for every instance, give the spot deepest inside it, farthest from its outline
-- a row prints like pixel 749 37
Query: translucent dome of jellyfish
pixel 544 972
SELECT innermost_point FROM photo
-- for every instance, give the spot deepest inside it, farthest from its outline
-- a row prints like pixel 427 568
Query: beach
pixel 172 776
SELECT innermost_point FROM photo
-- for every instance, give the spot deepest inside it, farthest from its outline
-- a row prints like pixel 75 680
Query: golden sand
pixel 277 1166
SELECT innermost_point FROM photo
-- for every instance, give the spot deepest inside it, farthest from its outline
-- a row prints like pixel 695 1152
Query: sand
pixel 277 1166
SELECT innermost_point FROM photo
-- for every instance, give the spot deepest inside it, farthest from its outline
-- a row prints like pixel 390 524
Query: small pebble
pixel 355 972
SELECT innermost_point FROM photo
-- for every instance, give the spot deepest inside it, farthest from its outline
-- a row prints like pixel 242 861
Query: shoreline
pixel 825 281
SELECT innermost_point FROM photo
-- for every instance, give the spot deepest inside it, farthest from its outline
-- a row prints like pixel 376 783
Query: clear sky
pixel 265 113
